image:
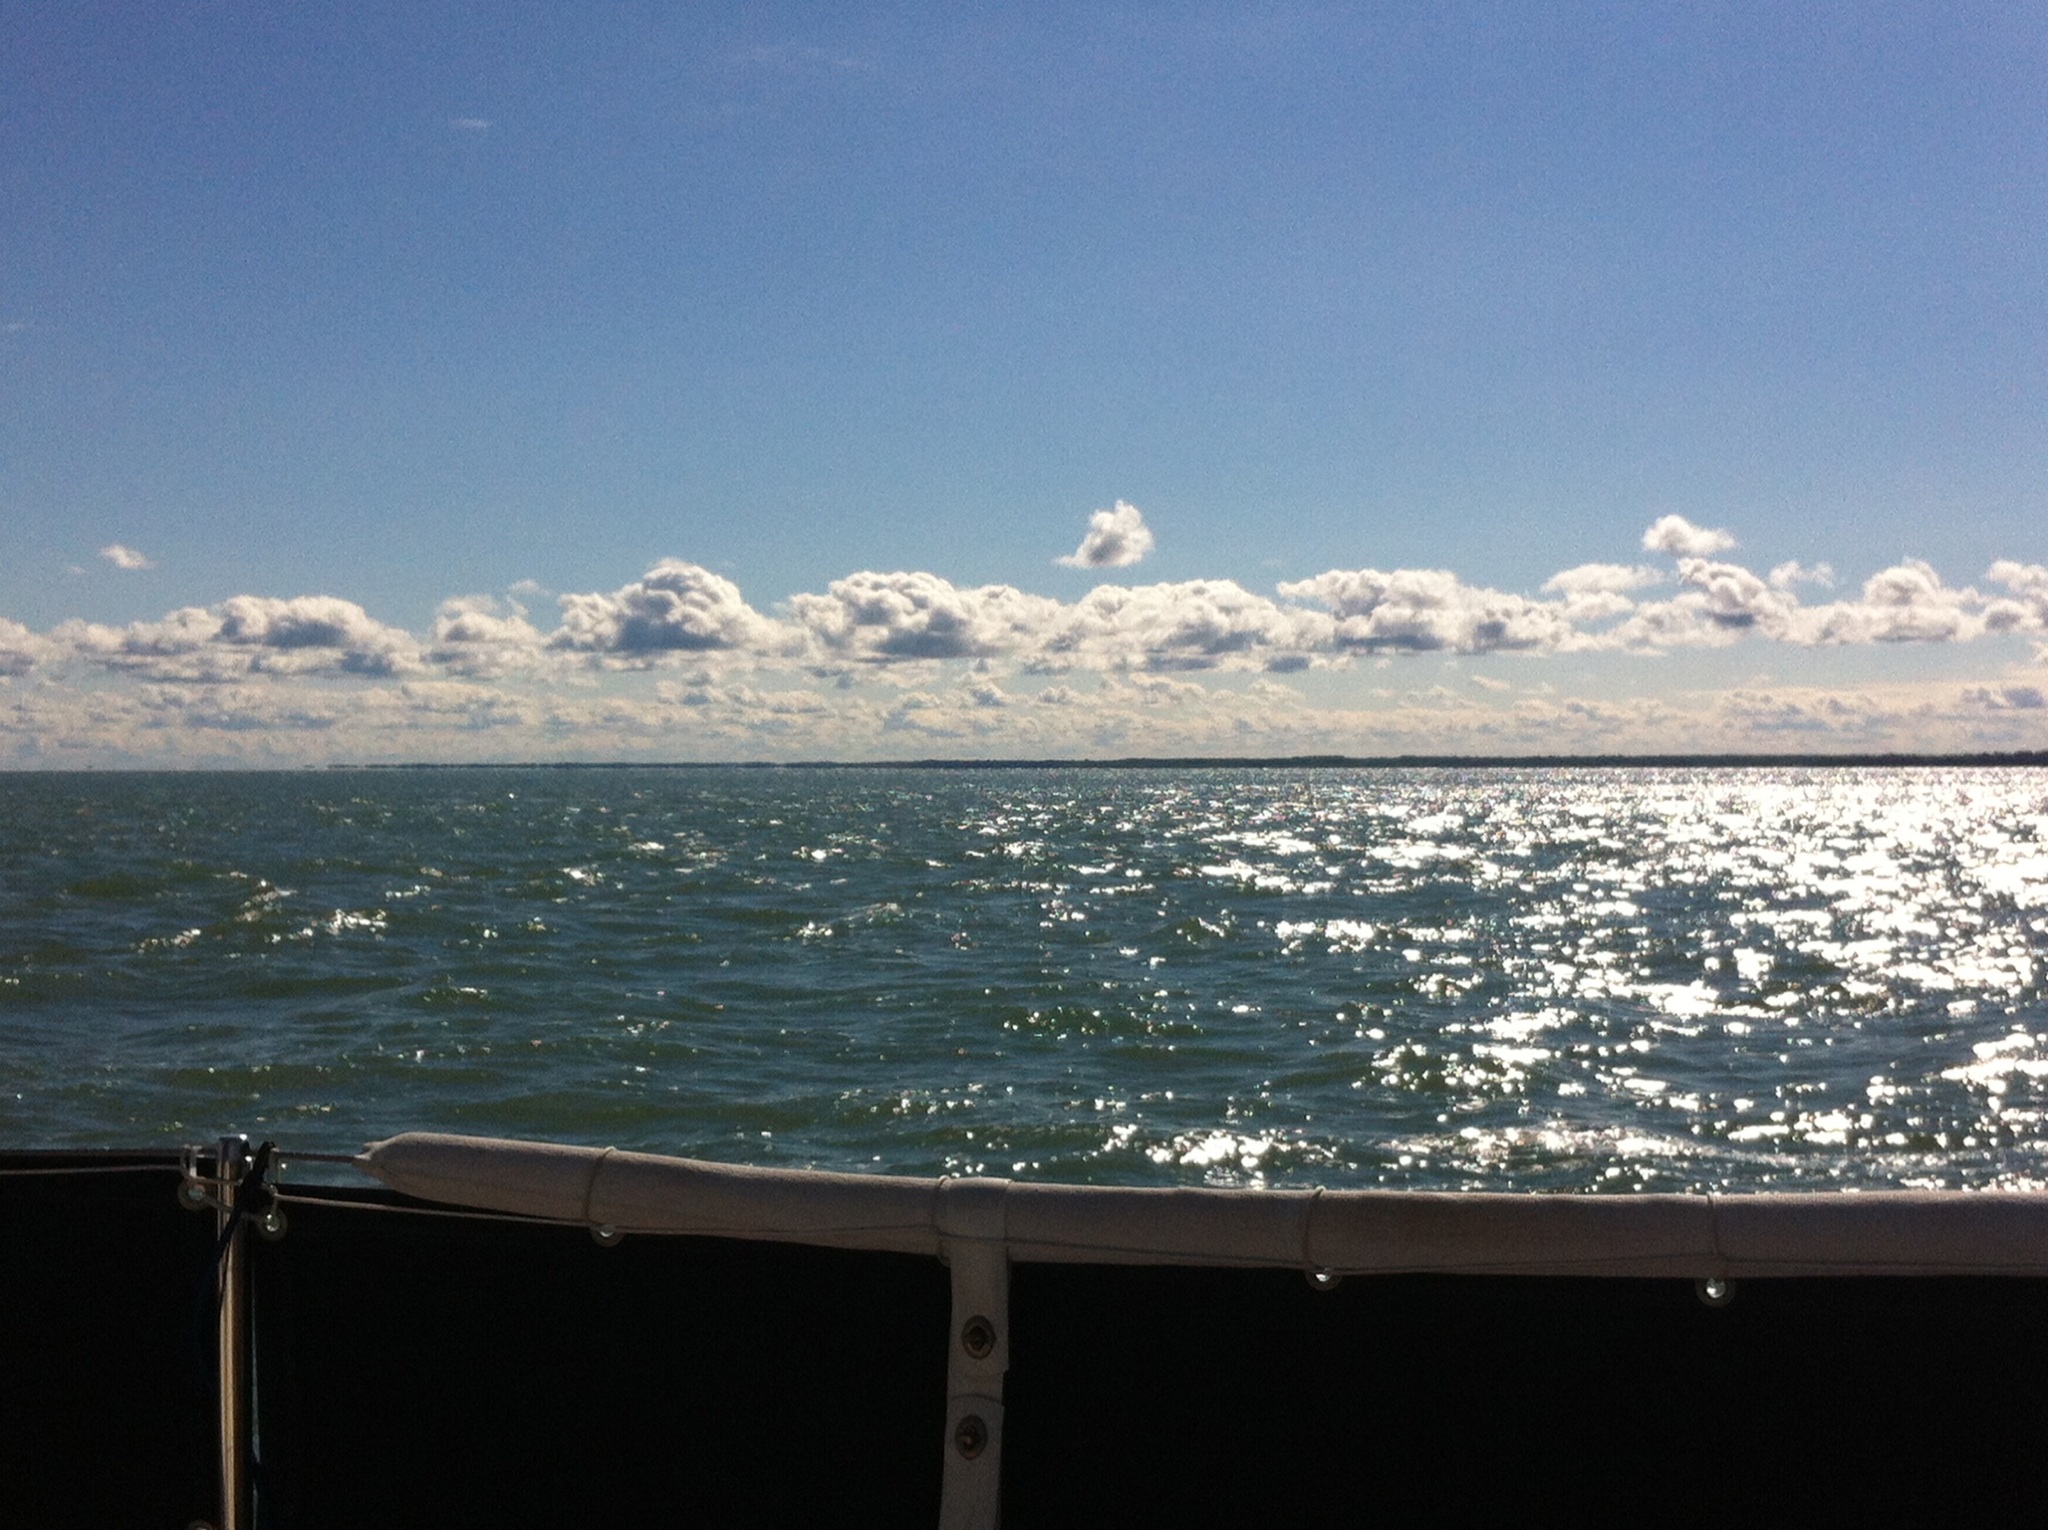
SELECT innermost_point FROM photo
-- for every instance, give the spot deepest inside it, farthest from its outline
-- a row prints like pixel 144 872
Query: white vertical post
pixel 232 1316
pixel 973 1234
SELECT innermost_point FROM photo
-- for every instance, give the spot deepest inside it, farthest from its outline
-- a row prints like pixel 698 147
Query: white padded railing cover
pixel 1360 1232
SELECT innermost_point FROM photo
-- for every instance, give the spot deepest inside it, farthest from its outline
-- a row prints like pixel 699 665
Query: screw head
pixel 970 1438
pixel 978 1337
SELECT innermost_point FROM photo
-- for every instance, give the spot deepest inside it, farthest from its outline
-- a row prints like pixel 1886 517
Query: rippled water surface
pixel 1593 979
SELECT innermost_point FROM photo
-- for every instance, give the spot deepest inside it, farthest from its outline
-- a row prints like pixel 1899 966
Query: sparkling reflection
pixel 1570 979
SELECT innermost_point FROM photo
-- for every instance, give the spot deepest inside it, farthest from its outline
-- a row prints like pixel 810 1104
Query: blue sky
pixel 513 306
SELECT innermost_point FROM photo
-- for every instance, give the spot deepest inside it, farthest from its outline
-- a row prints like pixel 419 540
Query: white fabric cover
pixel 1343 1231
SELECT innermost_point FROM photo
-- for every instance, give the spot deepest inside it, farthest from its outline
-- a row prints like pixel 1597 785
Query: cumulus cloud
pixel 1732 599
pixel 478 635
pixel 1721 603
pixel 1198 624
pixel 1601 579
pixel 125 557
pixel 1906 603
pixel 1678 536
pixel 875 617
pixel 1595 592
pixel 20 649
pixel 1116 538
pixel 1431 610
pixel 250 634
pixel 2027 610
pixel 875 657
pixel 1725 602
pixel 305 621
pixel 1789 575
pixel 675 607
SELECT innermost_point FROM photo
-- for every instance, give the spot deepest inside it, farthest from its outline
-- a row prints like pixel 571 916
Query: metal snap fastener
pixel 978 1337
pixel 971 1437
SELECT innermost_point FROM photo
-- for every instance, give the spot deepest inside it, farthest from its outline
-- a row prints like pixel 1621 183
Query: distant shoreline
pixel 2017 758
pixel 2022 757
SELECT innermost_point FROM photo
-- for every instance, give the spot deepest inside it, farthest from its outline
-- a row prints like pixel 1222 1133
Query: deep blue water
pixel 1610 979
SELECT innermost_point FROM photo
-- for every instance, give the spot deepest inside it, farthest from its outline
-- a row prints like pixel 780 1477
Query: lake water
pixel 1595 979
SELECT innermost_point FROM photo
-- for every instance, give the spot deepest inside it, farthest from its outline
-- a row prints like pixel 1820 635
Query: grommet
pixel 606 1236
pixel 272 1225
pixel 193 1195
pixel 978 1337
pixel 971 1437
pixel 1322 1280
pixel 1714 1290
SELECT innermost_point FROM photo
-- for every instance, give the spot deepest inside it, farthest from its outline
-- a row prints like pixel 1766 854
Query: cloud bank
pixel 880 658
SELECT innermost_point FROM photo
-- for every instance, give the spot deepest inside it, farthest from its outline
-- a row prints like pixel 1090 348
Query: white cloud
pixel 250 634
pixel 1601 579
pixel 1788 575
pixel 470 124
pixel 125 557
pixel 1198 624
pixel 1116 538
pixel 673 608
pixel 877 659
pixel 476 635
pixel 1735 600
pixel 305 621
pixel 2027 611
pixel 21 650
pixel 1724 603
pixel 876 617
pixel 1595 592
pixel 1906 603
pixel 1421 610
pixel 1678 536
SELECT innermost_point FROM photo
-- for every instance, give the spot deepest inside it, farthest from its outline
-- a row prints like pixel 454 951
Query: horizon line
pixel 2021 758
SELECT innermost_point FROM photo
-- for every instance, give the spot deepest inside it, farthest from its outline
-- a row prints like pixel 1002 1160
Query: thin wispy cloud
pixel 125 557
pixel 791 58
pixel 470 124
